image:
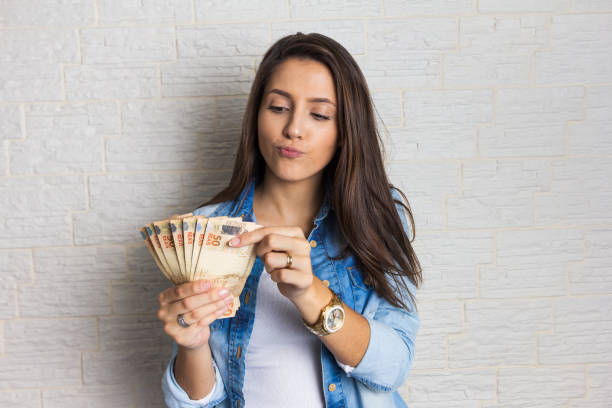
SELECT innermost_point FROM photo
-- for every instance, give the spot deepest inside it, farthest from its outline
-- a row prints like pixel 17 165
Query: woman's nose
pixel 295 126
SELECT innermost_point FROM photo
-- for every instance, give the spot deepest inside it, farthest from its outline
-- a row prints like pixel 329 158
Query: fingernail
pixel 223 292
pixel 228 300
pixel 204 285
pixel 234 241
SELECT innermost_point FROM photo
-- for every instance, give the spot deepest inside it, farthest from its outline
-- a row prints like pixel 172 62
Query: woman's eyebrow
pixel 288 95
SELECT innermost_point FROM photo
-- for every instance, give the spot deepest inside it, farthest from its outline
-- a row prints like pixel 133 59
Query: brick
pixel 146 397
pixel 39 47
pixel 237 10
pixel 213 40
pixel 138 297
pixel 42 335
pixel 119 395
pixel 4 157
pixel 466 386
pixel 109 226
pixel 35 196
pixel 83 264
pixel 441 124
pixel 30 82
pixel 412 35
pixel 593 274
pixel 349 33
pixel 578 339
pixel 537 248
pixel 591 5
pixel 20 398
pixel 599 388
pixel 492 336
pixel 430 351
pixel 124 366
pixel 8 299
pixel 16 265
pixel 522 281
pixel 497 193
pixel 127 45
pixel 522 6
pixel 211 76
pixel 328 9
pixel 141 266
pixel 571 179
pixel 134 190
pixel 42 369
pixel 10 122
pixel 495 51
pixel 579 52
pixel 64 138
pixel 592 136
pixel 163 12
pixel 43 230
pixel 132 333
pixel 528 124
pixel 443 317
pixel 229 114
pixel 62 299
pixel 106 82
pixel 172 116
pixel 400 8
pixel 426 185
pixel 49 13
pixel 540 383
pixel 452 276
pixel 202 186
pixel 385 70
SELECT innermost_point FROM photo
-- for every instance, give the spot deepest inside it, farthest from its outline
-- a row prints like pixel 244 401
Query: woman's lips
pixel 289 152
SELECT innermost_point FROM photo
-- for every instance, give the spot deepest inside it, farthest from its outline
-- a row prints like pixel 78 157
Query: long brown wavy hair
pixel 358 187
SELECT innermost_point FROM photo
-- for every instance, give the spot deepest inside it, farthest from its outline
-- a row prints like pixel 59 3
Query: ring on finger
pixel 181 321
pixel 289 261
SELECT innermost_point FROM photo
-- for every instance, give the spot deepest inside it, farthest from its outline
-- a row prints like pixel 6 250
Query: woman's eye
pixel 278 109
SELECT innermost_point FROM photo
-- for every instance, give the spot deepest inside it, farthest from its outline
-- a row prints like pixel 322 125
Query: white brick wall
pixel 498 118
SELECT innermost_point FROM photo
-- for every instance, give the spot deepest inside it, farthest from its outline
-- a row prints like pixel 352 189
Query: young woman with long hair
pixel 328 314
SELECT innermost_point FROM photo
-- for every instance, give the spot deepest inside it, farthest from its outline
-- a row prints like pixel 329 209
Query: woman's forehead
pixel 306 79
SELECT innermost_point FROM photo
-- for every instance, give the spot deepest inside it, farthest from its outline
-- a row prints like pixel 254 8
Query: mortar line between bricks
pixel 96 14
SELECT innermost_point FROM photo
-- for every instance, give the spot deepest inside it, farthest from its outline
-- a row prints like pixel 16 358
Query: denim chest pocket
pixel 216 325
pixel 359 287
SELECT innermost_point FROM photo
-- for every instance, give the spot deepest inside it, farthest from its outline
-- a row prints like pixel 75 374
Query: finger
pixel 190 303
pixel 182 291
pixel 282 243
pixel 278 260
pixel 291 277
pixel 206 314
pixel 257 235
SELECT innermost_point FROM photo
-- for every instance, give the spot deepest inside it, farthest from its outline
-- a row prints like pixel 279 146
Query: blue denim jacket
pixel 390 352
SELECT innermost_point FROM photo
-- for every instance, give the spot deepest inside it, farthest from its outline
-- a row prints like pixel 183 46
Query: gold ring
pixel 289 261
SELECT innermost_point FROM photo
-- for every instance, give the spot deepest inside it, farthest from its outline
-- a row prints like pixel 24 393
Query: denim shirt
pixel 390 351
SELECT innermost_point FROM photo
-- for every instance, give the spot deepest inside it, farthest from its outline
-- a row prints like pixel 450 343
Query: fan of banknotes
pixel 188 248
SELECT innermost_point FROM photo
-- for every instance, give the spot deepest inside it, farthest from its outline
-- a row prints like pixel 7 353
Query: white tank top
pixel 283 364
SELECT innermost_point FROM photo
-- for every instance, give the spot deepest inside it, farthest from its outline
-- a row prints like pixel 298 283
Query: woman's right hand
pixel 199 304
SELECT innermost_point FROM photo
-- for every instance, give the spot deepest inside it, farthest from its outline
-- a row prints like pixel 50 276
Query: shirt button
pixel 332 387
pixel 313 243
pixel 326 282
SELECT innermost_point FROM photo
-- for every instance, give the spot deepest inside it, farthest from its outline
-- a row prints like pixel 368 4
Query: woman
pixel 327 320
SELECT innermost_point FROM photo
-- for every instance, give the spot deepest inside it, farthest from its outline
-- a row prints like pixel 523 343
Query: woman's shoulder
pixel 213 210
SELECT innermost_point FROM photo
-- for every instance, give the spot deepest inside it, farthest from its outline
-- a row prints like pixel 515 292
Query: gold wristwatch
pixel 331 318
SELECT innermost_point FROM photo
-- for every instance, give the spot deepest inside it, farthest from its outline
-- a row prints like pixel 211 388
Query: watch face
pixel 334 319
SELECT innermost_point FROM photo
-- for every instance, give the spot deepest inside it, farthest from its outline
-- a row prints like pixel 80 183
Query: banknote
pixel 188 248
pixel 164 233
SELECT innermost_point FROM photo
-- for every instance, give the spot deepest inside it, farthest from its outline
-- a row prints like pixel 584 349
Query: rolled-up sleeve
pixel 176 397
pixel 390 353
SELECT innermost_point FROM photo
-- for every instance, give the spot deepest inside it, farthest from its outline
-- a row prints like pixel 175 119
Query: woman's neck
pixel 279 202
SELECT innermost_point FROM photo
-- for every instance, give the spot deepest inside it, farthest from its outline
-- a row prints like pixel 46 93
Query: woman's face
pixel 297 131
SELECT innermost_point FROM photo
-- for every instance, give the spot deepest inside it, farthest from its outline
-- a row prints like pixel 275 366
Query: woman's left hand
pixel 273 245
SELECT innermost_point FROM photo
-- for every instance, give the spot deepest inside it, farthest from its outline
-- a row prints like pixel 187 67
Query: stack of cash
pixel 188 248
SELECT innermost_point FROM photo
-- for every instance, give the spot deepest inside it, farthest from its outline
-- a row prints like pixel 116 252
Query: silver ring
pixel 182 321
pixel 289 261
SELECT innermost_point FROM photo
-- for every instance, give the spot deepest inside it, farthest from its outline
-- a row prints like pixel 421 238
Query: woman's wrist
pixel 311 302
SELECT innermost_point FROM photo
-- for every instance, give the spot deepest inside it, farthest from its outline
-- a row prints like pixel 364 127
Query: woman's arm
pixel 194 371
